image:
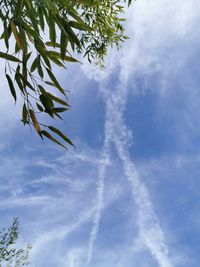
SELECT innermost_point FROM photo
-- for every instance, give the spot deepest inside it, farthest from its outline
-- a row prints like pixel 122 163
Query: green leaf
pixel 31 14
pixel 55 59
pixel 9 57
pixel 59 110
pixel 28 56
pixel 63 44
pixel 80 26
pixel 51 44
pixel 35 64
pixel 54 80
pixel 52 31
pixel 49 136
pixel 24 114
pixel 16 34
pixel 40 71
pixel 71 35
pixel 12 89
pixel 35 122
pixel 23 39
pixel 19 8
pixel 47 103
pixel 58 132
pixel 65 58
pixel 74 14
pixel 26 82
pixel 58 100
pixel 40 108
pixel 42 51
pixel 50 83
pixel 41 17
pixel 19 82
pixel 42 90
pixel 6 35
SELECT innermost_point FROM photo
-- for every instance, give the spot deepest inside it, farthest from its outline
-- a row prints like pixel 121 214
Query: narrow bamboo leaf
pixel 26 82
pixel 34 120
pixel 42 90
pixel 23 40
pixel 17 48
pixel 59 110
pixel 31 14
pixel 50 83
pixel 51 44
pixel 40 71
pixel 80 26
pixel 52 31
pixel 47 103
pixel 34 64
pixel 28 56
pixel 24 114
pixel 58 132
pixel 46 60
pixel 54 80
pixel 19 8
pixel 74 14
pixel 42 51
pixel 12 89
pixel 48 135
pixel 5 34
pixel 9 57
pixel 19 82
pixel 54 59
pixel 65 58
pixel 16 34
pixel 70 59
pixel 63 44
pixel 24 70
pixel 32 34
pixel 56 114
pixel 40 108
pixel 58 100
pixel 72 36
pixel 41 17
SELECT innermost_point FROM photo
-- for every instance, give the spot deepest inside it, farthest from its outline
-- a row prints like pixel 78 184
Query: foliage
pixel 40 33
pixel 9 255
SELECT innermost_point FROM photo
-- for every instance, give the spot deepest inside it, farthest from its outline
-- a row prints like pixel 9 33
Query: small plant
pixel 10 255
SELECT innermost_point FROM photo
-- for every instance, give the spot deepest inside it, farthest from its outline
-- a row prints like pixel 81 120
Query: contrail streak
pixel 117 132
pixel 99 206
pixel 150 230
pixel 148 223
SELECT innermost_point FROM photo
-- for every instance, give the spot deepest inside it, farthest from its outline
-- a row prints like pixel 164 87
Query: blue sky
pixel 129 194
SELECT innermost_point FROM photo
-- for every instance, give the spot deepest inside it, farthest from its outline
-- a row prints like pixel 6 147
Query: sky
pixel 129 194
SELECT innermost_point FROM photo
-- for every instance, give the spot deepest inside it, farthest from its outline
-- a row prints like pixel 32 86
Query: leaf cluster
pixel 9 255
pixel 42 33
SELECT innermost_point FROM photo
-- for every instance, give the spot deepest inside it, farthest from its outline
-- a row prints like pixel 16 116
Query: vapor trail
pixel 146 52
pixel 99 206
pixel 150 230
pixel 118 133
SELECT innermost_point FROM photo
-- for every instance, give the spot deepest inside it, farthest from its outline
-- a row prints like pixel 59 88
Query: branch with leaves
pixel 9 255
pixel 47 33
